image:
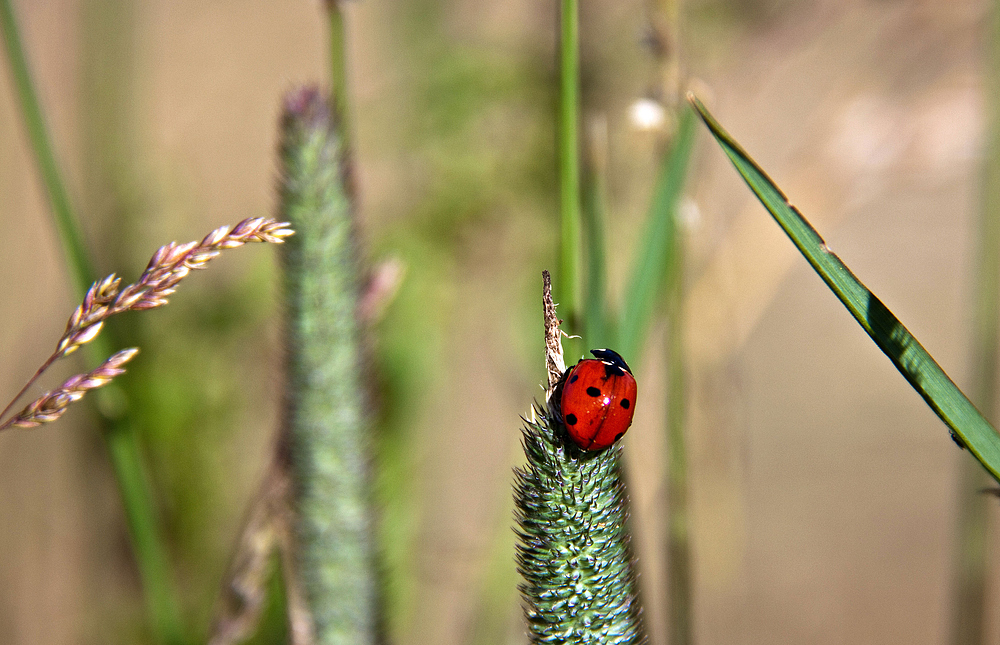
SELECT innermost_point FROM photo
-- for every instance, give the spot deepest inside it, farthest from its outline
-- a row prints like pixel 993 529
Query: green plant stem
pixel 594 212
pixel 144 530
pixel 569 163
pixel 679 588
pixel 338 66
pixel 970 565
pixel 123 449
pixel 81 268
pixel 326 422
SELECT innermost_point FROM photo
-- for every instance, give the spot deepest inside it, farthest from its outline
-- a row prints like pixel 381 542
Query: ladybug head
pixel 612 360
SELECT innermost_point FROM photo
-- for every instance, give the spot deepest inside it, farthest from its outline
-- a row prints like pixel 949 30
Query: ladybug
pixel 598 400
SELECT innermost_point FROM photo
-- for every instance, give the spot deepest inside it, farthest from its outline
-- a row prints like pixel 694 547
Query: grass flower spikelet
pixel 169 265
pixel 52 405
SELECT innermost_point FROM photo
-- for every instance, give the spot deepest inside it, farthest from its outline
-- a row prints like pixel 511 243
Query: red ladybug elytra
pixel 598 400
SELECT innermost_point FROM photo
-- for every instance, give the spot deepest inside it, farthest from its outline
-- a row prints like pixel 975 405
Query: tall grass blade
pixel 145 532
pixel 968 426
pixel 649 275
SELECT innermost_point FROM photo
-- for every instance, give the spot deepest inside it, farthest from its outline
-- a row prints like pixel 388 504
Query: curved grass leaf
pixel 968 426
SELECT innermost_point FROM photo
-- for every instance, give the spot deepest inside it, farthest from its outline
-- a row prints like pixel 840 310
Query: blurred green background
pixel 806 527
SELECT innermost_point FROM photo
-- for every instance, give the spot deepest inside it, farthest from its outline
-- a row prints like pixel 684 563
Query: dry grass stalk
pixel 267 528
pixel 168 266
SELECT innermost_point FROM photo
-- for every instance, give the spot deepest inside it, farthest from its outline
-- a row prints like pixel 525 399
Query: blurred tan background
pixel 823 489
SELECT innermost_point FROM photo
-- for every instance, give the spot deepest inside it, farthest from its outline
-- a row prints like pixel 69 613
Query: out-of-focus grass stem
pixel 81 268
pixel 666 27
pixel 678 554
pixel 147 544
pixel 649 275
pixel 338 65
pixel 125 454
pixel 969 559
pixel 595 209
pixel 569 165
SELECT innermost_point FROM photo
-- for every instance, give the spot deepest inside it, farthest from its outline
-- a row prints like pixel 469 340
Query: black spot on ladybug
pixel 625 403
pixel 574 378
pixel 571 419
pixel 619 436
pixel 593 391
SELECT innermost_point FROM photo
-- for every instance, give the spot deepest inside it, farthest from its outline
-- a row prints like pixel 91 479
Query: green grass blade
pixel 680 625
pixel 650 271
pixel 909 357
pixel 151 557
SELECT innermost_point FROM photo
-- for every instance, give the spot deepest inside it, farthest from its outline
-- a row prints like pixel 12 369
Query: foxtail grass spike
pixel 326 422
pixel 573 546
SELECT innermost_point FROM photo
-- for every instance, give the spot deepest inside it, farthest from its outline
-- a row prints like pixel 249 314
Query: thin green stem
pixel 569 163
pixel 666 27
pixel 338 64
pixel 594 216
pixel 81 268
pixel 969 558
pixel 151 556
pixel 679 596
pixel 124 452
pixel 649 274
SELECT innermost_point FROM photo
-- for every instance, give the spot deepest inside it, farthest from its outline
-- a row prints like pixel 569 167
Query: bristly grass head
pixel 573 547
